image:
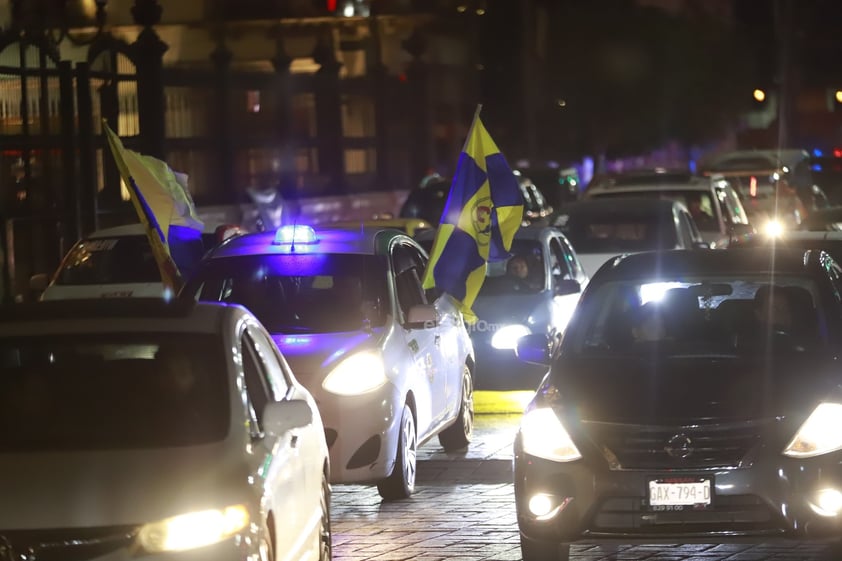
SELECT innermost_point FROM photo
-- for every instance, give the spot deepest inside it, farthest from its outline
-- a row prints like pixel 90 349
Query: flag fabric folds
pixel 161 199
pixel 483 211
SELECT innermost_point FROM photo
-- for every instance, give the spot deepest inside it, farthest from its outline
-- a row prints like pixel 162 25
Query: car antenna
pixel 294 226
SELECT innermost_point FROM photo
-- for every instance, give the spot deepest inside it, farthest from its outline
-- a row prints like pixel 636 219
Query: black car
pixel 695 396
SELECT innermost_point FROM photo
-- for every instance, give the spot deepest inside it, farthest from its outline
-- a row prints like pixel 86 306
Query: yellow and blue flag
pixel 161 199
pixel 483 211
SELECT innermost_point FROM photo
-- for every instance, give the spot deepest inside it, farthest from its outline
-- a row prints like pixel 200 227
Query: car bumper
pixel 362 433
pixel 769 500
pixel 500 369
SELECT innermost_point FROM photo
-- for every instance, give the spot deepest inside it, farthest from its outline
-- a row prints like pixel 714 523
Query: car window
pixel 256 380
pixel 572 260
pixel 734 213
pixel 300 293
pixel 616 231
pixel 278 379
pixel 685 223
pixel 112 391
pixel 408 265
pixel 559 265
pixel 124 259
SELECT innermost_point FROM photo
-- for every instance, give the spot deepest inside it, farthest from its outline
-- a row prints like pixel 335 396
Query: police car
pixel 389 365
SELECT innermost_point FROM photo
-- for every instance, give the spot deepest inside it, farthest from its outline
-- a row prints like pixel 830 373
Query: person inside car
pixel 703 220
pixel 777 310
pixel 517 269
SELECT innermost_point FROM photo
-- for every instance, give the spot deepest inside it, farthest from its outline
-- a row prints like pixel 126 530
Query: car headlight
pixel 819 434
pixel 359 373
pixel 506 337
pixel 543 435
pixel 194 529
pixel 774 228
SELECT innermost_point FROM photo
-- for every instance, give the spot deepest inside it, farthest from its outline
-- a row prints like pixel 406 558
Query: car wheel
pixel 325 533
pixel 401 484
pixel 539 550
pixel 459 434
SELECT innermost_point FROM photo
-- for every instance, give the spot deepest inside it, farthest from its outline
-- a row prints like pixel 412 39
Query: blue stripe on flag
pixel 504 187
pixel 459 257
pixel 468 179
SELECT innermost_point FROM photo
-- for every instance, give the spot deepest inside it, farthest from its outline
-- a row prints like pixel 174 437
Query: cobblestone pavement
pixel 463 509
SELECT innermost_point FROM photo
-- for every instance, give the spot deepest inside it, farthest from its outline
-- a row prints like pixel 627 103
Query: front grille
pixel 71 544
pixel 746 514
pixel 704 445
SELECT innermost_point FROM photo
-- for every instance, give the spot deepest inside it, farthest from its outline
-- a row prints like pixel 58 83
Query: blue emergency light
pixel 297 234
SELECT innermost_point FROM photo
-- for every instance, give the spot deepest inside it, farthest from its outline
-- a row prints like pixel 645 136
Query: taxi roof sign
pixel 295 234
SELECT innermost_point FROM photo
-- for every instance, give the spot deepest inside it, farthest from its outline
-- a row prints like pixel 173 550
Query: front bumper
pixel 771 499
pixel 362 433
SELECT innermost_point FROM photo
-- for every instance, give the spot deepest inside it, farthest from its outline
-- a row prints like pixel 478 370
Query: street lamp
pixel 57 19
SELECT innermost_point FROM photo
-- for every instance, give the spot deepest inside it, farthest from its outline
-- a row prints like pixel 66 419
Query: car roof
pixel 136 229
pixel 365 240
pixel 113 314
pixel 532 232
pixel 651 264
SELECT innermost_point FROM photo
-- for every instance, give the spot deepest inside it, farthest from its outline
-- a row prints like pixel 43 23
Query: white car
pixel 118 262
pixel 720 215
pixel 389 368
pixel 136 428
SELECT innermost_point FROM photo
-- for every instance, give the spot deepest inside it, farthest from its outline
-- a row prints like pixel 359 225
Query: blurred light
pixel 759 95
pixel 561 103
pixel 828 502
pixel 817 153
pixel 838 96
pixel 816 167
pixel 480 11
pixel 655 291
pixel 773 229
pixel 752 189
pixel 837 152
pixel 348 10
pixel 691 165
pixel 461 8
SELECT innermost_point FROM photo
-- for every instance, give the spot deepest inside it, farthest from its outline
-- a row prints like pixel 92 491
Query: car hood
pixel 115 488
pixel 312 355
pixel 507 308
pixel 673 390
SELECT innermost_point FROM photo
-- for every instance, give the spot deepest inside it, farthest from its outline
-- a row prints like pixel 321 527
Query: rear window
pixel 618 232
pixel 110 391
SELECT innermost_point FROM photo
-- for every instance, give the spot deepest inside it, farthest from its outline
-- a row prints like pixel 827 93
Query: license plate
pixel 679 492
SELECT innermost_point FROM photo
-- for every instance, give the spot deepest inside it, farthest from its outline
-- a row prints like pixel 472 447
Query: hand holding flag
pixel 483 211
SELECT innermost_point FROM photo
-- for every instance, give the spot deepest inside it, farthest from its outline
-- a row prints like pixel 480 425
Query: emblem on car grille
pixel 679 446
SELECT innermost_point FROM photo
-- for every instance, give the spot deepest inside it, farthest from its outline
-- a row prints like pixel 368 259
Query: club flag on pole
pixel 483 211
pixel 160 198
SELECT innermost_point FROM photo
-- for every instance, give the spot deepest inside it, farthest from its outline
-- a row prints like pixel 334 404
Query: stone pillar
pixel 422 154
pixel 283 119
pixel 223 130
pixel 378 76
pixel 329 114
pixel 148 53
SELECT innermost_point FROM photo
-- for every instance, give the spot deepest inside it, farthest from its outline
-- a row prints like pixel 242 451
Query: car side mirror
pixel 701 245
pixel 534 349
pixel 282 416
pixel 422 315
pixel 564 286
pixel 740 230
pixel 38 282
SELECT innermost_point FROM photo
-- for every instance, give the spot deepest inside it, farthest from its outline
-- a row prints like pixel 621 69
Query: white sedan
pixel 389 368
pixel 133 428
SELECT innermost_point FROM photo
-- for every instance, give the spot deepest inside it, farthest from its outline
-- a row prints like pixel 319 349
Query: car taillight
pixel 752 186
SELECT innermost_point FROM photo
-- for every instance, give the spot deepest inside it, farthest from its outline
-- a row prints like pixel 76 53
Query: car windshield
pixel 706 315
pixel 618 231
pixel 523 273
pixel 109 391
pixel 302 293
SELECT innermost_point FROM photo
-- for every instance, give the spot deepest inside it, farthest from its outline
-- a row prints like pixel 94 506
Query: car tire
pixel 539 550
pixel 401 483
pixel 458 435
pixel 325 532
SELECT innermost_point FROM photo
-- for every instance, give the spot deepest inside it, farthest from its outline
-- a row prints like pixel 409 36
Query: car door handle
pixel 293 441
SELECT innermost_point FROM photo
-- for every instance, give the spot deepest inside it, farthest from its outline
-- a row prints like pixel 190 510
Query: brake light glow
pixel 752 186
